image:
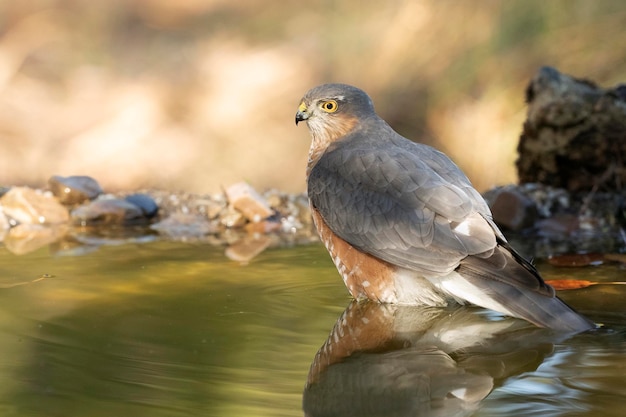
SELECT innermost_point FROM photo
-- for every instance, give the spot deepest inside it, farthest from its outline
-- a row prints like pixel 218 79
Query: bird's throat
pixel 325 132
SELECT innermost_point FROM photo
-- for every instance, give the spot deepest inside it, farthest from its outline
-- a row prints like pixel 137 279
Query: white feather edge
pixel 411 289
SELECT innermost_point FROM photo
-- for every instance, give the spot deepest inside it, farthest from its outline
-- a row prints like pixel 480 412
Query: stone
pixel 263 227
pixel 231 217
pixel 74 189
pixel 247 248
pixel 577 259
pixel 511 209
pixel 25 238
pixel 107 211
pixel 69 246
pixel 4 225
pixel 246 200
pixel 275 199
pixel 574 136
pixel 29 206
pixel 302 209
pixel 210 207
pixel 558 227
pixel 4 221
pixel 146 203
pixel 182 225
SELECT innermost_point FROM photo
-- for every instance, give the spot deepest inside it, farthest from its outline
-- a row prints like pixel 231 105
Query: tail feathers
pixel 504 285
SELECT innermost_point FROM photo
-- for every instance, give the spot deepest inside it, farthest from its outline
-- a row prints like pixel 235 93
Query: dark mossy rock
pixel 574 136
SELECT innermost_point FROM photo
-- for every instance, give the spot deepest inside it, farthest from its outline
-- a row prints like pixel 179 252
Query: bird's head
pixel 334 110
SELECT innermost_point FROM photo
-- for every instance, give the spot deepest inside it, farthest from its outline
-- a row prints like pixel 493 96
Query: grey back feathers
pixel 399 201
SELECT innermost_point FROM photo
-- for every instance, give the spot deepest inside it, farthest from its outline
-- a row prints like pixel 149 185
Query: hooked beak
pixel 302 113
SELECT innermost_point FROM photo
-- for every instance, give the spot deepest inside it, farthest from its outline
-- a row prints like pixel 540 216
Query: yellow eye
pixel 330 106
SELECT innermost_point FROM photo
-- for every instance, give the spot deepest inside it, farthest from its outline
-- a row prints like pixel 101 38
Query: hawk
pixel 404 225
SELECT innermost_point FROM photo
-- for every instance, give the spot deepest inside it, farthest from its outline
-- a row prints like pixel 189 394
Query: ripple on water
pixel 167 329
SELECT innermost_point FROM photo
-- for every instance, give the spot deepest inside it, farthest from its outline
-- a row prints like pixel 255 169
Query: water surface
pixel 174 329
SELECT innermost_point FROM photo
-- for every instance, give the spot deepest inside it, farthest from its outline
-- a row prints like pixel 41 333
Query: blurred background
pixel 195 94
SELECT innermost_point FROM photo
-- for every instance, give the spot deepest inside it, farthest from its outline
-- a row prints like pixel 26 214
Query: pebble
pixel 577 259
pixel 559 226
pixel 247 248
pixel 511 209
pixel 210 207
pixel 4 223
pixel 25 238
pixel 70 246
pixel 26 205
pixel 263 227
pixel 232 218
pixel 237 218
pixel 107 211
pixel 74 189
pixel 248 202
pixel 558 221
pixel 146 203
pixel 183 225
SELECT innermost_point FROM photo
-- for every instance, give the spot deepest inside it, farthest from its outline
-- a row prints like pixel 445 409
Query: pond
pixel 164 328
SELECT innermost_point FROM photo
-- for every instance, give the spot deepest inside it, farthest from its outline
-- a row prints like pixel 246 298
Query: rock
pixel 512 209
pixel 107 211
pixel 275 199
pixel 576 259
pixel 548 200
pixel 75 189
pixel 231 236
pixel 302 209
pixel 263 227
pixel 4 225
pixel 231 217
pixel 558 227
pixel 247 201
pixel 29 206
pixel 210 207
pixel 25 238
pixel 247 248
pixel 181 225
pixel 291 224
pixel 574 136
pixel 146 203
pixel 99 235
pixel 70 246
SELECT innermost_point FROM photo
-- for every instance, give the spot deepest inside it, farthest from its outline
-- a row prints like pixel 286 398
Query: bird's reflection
pixel 389 360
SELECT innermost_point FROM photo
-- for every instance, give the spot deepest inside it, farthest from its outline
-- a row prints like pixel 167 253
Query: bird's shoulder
pixel 388 200
pixel 399 171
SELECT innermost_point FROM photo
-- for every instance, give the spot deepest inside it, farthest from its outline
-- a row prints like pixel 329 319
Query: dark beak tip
pixel 301 116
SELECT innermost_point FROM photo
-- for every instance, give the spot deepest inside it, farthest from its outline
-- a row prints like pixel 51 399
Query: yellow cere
pixel 302 107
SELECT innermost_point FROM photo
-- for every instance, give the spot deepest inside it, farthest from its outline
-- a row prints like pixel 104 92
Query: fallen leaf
pixel 570 284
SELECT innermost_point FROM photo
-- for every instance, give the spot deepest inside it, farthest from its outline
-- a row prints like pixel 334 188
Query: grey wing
pixel 388 202
pixel 454 174
pixel 448 170
pixel 494 277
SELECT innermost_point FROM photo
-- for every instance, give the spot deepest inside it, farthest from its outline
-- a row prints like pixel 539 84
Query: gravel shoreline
pixel 74 216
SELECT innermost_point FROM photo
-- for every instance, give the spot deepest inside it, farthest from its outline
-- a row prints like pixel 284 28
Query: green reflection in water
pixel 162 329
pixel 172 329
